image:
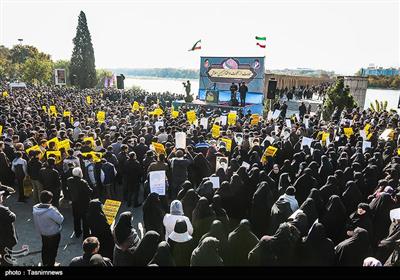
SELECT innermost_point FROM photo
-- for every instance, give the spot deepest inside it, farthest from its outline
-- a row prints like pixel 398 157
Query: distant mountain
pixel 172 73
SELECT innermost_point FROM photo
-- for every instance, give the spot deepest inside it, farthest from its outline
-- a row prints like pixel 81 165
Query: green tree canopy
pixel 37 70
pixel 82 60
pixel 337 96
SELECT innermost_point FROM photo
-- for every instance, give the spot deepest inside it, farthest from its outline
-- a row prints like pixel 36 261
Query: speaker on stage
pixel 120 81
pixel 271 88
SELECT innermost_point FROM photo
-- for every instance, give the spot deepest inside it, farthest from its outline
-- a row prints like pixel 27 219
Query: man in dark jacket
pixel 133 173
pixel 50 180
pixel 8 237
pixel 34 166
pixel 90 246
pixel 243 92
pixel 179 168
pixel 6 175
pixel 80 193
pixel 107 177
pixel 302 110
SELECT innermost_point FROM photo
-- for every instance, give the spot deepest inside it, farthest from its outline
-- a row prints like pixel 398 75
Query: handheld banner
pixel 157 182
pixel 110 209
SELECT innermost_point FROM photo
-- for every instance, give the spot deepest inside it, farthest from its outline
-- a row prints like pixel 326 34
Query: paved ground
pixel 69 247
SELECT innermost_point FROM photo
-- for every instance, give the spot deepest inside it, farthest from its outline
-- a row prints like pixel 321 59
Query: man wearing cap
pixel 80 193
pixel 8 237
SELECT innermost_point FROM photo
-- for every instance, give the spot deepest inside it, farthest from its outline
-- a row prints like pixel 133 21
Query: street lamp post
pixel 20 41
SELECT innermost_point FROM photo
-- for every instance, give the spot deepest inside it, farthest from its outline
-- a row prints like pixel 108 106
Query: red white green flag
pixel 196 46
pixel 261 41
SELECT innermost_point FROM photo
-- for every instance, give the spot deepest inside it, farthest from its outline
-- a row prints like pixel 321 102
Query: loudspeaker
pixel 120 81
pixel 271 89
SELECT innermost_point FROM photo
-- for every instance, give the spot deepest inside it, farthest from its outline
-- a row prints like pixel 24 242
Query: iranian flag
pixel 261 41
pixel 196 46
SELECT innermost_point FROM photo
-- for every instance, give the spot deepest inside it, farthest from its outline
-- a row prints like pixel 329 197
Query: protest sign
pixel 215 181
pixel 157 182
pixel 110 209
pixel 96 156
pixel 276 114
pixel 91 139
pixel 363 134
pixel 228 143
pixel 174 114
pixel 215 131
pixel 135 106
pixel 348 131
pixel 158 124
pixel 53 110
pixel 255 118
pixel 159 148
pixel 232 118
pixel 222 162
pixel 180 140
pixel 387 134
pixel 365 145
pixel 191 116
pixel 1 129
pixel 394 214
pixel 88 100
pixel 204 122
pixel 269 152
pixel 35 148
pixel 64 144
pixel 66 114
pixel 306 142
pixel 101 116
pixel 238 136
pixel 288 123
pixel 53 140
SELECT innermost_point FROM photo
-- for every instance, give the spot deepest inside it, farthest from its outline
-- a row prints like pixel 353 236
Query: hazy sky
pixel 332 35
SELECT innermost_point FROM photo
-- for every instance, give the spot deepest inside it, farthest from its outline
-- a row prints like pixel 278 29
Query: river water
pixel 175 86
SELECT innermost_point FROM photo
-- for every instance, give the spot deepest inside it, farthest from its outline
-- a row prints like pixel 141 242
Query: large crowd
pixel 278 201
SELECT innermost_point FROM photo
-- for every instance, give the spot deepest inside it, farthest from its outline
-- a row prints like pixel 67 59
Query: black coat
pixel 50 178
pixel 80 192
pixel 8 236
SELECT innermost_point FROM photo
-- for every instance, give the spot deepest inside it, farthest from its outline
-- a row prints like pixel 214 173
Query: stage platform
pixel 225 109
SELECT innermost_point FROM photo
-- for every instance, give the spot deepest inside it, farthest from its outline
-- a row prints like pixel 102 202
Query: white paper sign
pixel 269 116
pixel 222 162
pixel 328 141
pixel 270 139
pixel 395 214
pixel 276 114
pixel 204 122
pixel 180 140
pixel 238 138
pixel 158 124
pixel 223 119
pixel 245 165
pixel 306 142
pixel 288 123
pixel 363 134
pixel 306 121
pixel 157 182
pixel 385 134
pixel 215 181
pixel 365 145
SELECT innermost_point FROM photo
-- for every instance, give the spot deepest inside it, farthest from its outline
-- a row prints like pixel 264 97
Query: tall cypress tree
pixel 82 69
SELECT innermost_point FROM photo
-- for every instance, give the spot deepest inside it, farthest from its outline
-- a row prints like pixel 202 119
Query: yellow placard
pixel 5 94
pixel 66 114
pixel 269 152
pixel 44 108
pixel 232 118
pixel 157 112
pixel 91 139
pixel 159 148
pixel 1 129
pixel 255 119
pixel 325 135
pixel 348 131
pixel 191 116
pixel 88 100
pixel 369 136
pixel 215 131
pixel 53 110
pixel 64 144
pixel 228 143
pixel 96 156
pixel 55 140
pixel 110 209
pixel 55 154
pixel 174 114
pixel 35 148
pixel 366 128
pixel 398 151
pixel 101 116
pixel 135 106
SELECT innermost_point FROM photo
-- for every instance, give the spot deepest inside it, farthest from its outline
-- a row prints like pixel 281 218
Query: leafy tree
pixel 37 70
pixel 20 53
pixel 82 60
pixel 339 97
